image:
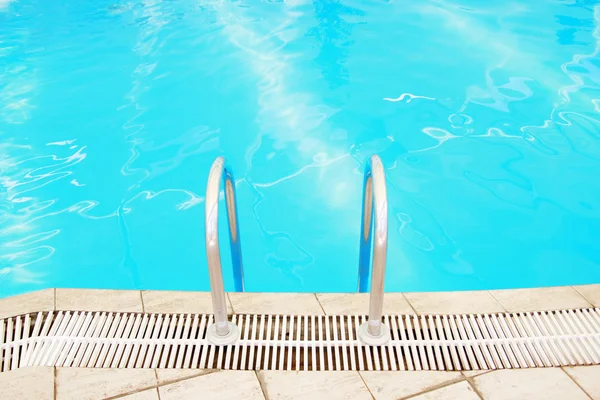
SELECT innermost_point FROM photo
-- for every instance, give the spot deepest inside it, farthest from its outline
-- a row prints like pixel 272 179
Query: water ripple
pixel 486 117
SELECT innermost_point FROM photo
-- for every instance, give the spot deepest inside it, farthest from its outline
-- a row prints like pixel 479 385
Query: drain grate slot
pixel 301 342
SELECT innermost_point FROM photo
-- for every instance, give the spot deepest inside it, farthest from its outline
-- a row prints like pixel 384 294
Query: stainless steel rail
pixel 222 331
pixel 374 332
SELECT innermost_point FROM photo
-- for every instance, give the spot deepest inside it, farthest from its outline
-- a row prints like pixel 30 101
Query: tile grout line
pixel 576 383
pixel 590 305
pixel 582 295
pixel 209 372
pixel 261 385
pixel 409 303
pixel 497 301
pixel 121 395
pixel 134 391
pixel 137 390
pixel 471 383
pixel 230 303
pixel 365 383
pixel 320 305
pixel 143 308
pixel 436 387
pixel 54 372
pixel 155 370
pixel 54 299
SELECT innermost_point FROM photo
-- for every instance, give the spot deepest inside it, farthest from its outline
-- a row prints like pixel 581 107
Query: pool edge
pixel 151 301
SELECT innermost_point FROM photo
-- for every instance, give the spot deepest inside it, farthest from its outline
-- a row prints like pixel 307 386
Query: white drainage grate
pixel 283 342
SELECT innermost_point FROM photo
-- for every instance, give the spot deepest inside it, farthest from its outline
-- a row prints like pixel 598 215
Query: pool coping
pixel 154 384
pixel 419 303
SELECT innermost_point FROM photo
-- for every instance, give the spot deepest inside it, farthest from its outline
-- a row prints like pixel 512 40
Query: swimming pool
pixel 486 118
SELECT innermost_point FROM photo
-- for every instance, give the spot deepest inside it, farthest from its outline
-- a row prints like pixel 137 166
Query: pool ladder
pixel 374 212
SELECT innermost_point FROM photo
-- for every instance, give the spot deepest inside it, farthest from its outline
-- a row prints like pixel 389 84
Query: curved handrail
pixel 374 192
pixel 223 331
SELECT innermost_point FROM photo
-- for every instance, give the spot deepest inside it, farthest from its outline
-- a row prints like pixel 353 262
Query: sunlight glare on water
pixel 486 116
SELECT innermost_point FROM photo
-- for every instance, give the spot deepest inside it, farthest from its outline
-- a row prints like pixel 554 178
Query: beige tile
pixel 533 383
pixel 457 391
pixel 358 303
pixel 539 299
pixel 27 383
pixel 172 302
pixel 275 303
pixel 588 378
pixel 330 385
pixel 453 302
pixel 222 385
pixel 397 384
pixel 98 383
pixel 42 300
pixel 150 394
pixel 173 375
pixel 98 300
pixel 590 292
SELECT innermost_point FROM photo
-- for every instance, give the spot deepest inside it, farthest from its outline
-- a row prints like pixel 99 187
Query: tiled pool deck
pixel 153 384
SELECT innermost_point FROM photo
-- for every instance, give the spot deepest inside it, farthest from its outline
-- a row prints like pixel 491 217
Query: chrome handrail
pixel 222 331
pixel 374 332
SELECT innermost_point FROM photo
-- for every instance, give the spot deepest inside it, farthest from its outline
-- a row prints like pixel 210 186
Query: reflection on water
pixel 486 117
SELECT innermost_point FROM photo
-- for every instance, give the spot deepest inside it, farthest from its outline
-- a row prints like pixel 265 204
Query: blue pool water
pixel 486 116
